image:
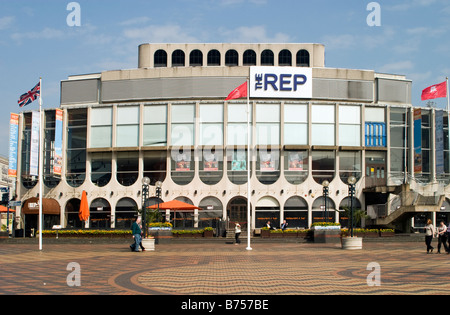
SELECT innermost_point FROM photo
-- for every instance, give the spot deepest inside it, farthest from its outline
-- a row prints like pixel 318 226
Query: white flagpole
pixel 41 166
pixel 448 96
pixel 249 224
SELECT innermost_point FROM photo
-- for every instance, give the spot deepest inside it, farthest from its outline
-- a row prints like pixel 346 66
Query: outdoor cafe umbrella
pixel 174 205
pixel 84 208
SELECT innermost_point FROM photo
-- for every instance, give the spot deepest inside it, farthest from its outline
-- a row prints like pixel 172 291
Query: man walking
pixel 136 231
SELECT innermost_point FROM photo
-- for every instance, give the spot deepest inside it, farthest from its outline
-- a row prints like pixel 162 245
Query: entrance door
pixel 237 212
pixel 375 169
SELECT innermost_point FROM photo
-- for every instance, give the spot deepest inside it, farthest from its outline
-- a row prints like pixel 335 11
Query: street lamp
pixel 325 185
pixel 158 194
pixel 351 191
pixel 145 194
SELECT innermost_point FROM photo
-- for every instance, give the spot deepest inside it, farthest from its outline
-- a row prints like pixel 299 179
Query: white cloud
pixel 6 22
pixel 397 67
pixel 253 34
pixel 160 34
pixel 46 33
pixel 135 21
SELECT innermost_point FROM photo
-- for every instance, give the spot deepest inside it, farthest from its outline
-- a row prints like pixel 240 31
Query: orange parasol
pixel 84 207
pixel 5 210
pixel 174 205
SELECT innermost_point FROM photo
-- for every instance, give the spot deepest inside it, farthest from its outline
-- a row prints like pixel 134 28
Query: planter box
pixel 332 236
pixel 161 236
pixel 276 235
pixel 265 233
pixel 208 233
pixel 387 234
pixel 352 243
pixel 148 243
pixel 290 235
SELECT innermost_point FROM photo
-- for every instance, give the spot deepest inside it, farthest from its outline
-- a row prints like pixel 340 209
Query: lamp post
pixel 351 191
pixel 158 194
pixel 325 185
pixel 145 194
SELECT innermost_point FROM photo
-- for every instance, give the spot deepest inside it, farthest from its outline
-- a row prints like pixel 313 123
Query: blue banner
pixel 57 160
pixel 439 142
pixel 34 150
pixel 417 141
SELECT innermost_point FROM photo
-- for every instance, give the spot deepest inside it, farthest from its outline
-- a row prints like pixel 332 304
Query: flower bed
pixel 87 233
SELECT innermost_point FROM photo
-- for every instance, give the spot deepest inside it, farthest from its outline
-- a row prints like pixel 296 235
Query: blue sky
pixel 35 39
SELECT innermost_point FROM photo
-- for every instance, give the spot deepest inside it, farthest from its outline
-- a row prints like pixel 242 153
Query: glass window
pixel 231 58
pixel 211 124
pixel 295 124
pixel 155 125
pixel 182 166
pixel 127 168
pixel 100 211
pixel 183 125
pixel 267 58
pixel 76 147
pixel 211 165
pixel 51 180
pixel 101 167
pixel 196 58
pixel 126 213
pixel 155 166
pixel 323 166
pixel 296 212
pixel 296 166
pixel 178 58
pixel 285 58
pixel 399 142
pixel 268 124
pixel 160 59
pixel 212 212
pixel 323 125
pixel 350 165
pixel 101 127
pixel 127 126
pixel 214 58
pixel 303 58
pixel 268 166
pixel 350 126
pixel 237 166
pixel 249 58
pixel 237 124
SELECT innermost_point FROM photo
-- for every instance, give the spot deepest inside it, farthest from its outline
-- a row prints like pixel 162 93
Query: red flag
pixel 239 92
pixel 435 91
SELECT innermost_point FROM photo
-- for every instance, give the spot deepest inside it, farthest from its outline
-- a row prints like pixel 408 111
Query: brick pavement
pixel 222 269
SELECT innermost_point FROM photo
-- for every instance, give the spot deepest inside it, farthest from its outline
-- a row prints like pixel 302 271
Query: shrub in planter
pixel 265 232
pixel 208 232
pixel 290 233
pixel 387 233
pixel 276 233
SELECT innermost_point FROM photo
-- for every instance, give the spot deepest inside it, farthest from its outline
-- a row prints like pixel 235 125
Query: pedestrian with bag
pixel 442 237
pixel 136 231
pixel 429 234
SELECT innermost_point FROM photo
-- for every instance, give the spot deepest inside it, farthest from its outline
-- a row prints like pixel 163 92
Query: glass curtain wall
pixel 76 147
pixel 399 143
pixel 127 132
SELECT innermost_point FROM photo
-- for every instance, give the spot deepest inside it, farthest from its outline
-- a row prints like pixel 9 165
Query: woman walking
pixel 442 237
pixel 237 233
pixel 429 233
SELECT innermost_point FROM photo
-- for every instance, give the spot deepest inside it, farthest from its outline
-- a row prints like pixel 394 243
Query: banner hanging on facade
pixel 417 141
pixel 34 146
pixel 13 144
pixel 57 160
pixel 439 142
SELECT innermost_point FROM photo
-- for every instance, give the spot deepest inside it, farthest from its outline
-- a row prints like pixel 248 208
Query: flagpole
pixel 41 159
pixel 248 168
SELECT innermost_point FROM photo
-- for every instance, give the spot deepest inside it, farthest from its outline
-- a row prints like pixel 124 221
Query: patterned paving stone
pixel 223 269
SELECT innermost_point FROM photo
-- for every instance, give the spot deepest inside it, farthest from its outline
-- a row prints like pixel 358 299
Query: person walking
pixel 442 237
pixel 429 233
pixel 136 231
pixel 237 233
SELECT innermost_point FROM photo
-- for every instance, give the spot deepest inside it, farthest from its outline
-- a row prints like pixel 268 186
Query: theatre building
pixel 168 120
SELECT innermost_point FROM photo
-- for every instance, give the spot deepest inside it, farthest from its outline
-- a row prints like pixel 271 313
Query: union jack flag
pixel 30 96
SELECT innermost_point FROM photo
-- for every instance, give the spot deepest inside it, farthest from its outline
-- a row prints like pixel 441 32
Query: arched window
pixel 267 58
pixel 318 210
pixel 303 58
pixel 249 58
pixel 344 211
pixel 196 58
pixel 72 214
pixel 285 58
pixel 212 212
pixel 160 59
pixel 214 58
pixel 231 58
pixel 267 209
pixel 296 212
pixel 127 168
pixel 178 58
pixel 100 211
pixel 101 168
pixel 126 212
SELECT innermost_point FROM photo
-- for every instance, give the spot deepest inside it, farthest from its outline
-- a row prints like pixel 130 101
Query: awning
pixel 49 206
pixel 5 210
pixel 175 205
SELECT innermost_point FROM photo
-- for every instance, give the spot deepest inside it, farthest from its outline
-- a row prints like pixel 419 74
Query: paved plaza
pixel 223 269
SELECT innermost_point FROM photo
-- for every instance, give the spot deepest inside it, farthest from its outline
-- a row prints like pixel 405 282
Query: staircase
pixel 407 204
